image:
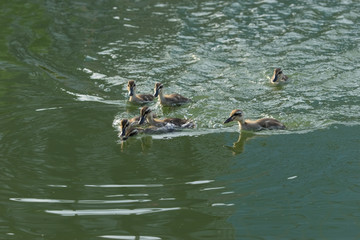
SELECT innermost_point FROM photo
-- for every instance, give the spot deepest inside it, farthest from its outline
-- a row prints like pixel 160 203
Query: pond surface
pixel 65 174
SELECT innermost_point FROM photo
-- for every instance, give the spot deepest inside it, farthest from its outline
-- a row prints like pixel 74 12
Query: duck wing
pixel 146 97
pixel 270 123
pixel 176 98
pixel 176 121
pixel 134 119
pixel 284 78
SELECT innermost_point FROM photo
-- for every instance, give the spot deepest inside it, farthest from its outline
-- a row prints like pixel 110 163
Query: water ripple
pixel 121 237
pixel 104 212
pixel 125 186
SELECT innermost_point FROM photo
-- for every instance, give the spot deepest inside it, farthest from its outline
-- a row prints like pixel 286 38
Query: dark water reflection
pixel 239 145
pixel 64 68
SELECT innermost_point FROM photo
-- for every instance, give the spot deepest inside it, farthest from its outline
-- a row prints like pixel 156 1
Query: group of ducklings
pixel 133 126
pixel 165 100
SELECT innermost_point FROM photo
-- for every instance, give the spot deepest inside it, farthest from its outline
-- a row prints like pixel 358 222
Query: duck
pixel 138 98
pixel 278 77
pixel 127 127
pixel 147 114
pixel 169 99
pixel 130 130
pixel 254 125
pixel 130 127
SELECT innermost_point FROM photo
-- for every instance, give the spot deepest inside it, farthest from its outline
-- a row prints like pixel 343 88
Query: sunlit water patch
pixel 144 196
pixel 121 237
pixel 104 212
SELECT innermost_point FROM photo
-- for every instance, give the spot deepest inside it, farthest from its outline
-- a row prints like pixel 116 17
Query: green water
pixel 64 66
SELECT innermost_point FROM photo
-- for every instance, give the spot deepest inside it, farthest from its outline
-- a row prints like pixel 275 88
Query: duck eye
pixel 280 72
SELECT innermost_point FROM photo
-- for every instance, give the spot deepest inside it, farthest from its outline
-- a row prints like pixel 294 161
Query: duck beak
pixel 156 92
pixel 131 92
pixel 230 119
pixel 142 120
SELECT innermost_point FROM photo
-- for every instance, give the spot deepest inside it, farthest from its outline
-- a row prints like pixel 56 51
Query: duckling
pixel 138 98
pixel 127 127
pixel 171 99
pixel 126 123
pixel 129 130
pixel 278 77
pixel 146 113
pixel 255 125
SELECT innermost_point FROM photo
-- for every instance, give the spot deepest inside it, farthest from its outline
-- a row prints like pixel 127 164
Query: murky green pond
pixel 65 174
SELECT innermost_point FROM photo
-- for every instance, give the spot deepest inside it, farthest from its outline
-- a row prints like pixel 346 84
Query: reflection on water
pixel 104 212
pixel 144 141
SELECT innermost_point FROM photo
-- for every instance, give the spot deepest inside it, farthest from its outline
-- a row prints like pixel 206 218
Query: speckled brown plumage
pixel 255 125
pixel 169 99
pixel 138 98
pixel 146 113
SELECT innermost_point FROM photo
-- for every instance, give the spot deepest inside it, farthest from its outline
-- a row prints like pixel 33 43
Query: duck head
pixel 130 133
pixel 144 112
pixel 124 123
pixel 277 76
pixel 131 87
pixel 235 115
pixel 158 88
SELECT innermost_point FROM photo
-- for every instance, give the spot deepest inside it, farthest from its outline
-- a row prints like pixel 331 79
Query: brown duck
pixel 278 77
pixel 147 114
pixel 254 125
pixel 129 130
pixel 137 98
pixel 169 99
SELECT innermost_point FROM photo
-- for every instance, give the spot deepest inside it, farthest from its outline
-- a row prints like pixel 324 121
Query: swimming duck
pixel 127 127
pixel 130 129
pixel 170 99
pixel 278 77
pixel 138 98
pixel 256 125
pixel 146 113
